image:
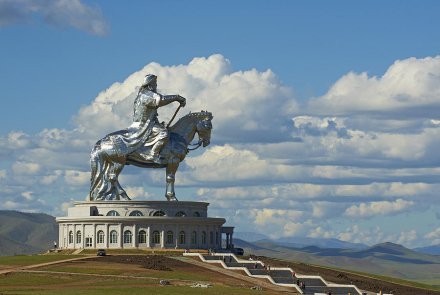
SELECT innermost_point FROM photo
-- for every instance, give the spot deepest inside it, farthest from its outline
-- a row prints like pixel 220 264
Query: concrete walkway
pixel 235 274
pixel 20 268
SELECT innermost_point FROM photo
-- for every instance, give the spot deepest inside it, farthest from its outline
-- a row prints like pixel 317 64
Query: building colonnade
pixel 119 235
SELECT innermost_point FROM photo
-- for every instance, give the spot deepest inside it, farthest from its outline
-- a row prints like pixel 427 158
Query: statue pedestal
pixel 140 224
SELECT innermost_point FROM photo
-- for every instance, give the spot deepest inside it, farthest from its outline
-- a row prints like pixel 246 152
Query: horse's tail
pixel 96 169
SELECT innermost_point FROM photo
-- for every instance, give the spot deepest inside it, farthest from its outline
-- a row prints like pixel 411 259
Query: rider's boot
pixel 154 155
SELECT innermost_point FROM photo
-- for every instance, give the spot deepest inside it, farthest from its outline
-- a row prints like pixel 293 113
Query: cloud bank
pixel 57 13
pixel 364 154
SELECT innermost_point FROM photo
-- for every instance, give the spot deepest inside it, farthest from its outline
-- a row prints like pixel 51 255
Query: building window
pixel 182 237
pixel 136 213
pixel 127 237
pixel 142 237
pixel 194 238
pixel 204 237
pixel 196 214
pixel 113 237
pixel 159 213
pixel 78 237
pixel 100 237
pixel 216 238
pixel 211 237
pixel 170 237
pixel 156 237
pixel 113 213
pixel 70 237
pixel 180 214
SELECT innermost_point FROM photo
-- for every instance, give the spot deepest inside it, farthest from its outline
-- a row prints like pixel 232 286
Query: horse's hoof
pixel 171 197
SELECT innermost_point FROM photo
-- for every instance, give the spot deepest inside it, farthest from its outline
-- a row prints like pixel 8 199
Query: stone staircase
pixel 77 251
pixel 281 276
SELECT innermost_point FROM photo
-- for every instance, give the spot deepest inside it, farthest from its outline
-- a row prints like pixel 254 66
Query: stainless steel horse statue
pixel 107 160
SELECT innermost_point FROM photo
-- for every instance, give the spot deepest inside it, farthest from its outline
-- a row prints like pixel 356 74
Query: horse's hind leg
pixel 118 192
pixel 97 172
pixel 171 174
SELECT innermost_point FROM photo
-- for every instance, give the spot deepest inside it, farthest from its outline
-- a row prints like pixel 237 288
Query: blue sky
pixel 350 92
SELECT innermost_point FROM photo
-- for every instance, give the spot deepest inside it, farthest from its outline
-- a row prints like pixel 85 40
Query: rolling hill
pixel 382 259
pixel 433 250
pixel 26 233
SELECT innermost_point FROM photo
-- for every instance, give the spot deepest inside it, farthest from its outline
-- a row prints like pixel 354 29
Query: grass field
pixel 91 268
pixel 30 283
pixel 97 276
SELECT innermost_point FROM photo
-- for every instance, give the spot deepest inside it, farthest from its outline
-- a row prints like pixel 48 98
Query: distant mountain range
pixel 299 242
pixel 433 250
pixel 26 233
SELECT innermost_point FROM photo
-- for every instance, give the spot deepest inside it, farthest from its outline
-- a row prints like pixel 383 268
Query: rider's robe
pixel 145 129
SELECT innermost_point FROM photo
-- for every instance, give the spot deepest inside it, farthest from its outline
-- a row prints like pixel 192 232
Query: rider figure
pixel 145 112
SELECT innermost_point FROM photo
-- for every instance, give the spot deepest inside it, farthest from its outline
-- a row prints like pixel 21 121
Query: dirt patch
pixel 341 277
pixel 154 262
pixel 160 263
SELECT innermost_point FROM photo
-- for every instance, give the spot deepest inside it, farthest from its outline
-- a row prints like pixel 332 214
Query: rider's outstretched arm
pixel 167 99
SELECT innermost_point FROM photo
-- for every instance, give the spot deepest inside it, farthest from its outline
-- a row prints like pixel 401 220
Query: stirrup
pixel 155 159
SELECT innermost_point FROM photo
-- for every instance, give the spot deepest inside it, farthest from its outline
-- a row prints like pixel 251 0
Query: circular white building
pixel 141 224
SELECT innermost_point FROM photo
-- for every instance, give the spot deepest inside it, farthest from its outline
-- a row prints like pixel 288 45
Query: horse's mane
pixel 191 116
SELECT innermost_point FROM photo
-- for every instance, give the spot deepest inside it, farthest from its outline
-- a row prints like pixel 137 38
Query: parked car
pixel 101 252
pixel 238 251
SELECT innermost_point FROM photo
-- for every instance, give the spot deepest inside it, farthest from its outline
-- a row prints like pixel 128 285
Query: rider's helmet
pixel 149 79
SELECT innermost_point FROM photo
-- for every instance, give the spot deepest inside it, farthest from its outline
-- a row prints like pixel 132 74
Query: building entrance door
pixel 88 242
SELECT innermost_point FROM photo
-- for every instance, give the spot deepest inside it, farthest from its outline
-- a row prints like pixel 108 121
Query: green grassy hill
pixel 26 233
pixel 386 259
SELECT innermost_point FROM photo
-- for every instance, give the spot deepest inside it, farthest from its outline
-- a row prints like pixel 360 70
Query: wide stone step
pixel 312 282
pixel 325 289
pixel 210 257
pixel 258 272
pixel 281 273
pixel 283 280
pixel 238 264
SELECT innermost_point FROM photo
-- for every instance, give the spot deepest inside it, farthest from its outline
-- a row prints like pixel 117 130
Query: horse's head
pixel 204 127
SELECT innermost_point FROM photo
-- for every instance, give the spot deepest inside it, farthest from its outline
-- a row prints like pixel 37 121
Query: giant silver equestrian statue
pixel 146 143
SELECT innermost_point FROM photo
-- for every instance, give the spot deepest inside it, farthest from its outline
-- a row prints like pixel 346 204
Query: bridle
pixel 197 145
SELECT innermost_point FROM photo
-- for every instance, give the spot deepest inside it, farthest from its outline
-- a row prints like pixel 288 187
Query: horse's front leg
pixel 171 174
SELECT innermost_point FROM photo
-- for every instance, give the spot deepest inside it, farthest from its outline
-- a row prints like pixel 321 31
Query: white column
pixel 83 236
pixel 176 237
pixel 106 236
pixel 61 235
pixel 148 237
pixel 121 235
pixel 134 237
pixel 94 236
pixel 74 236
pixel 199 237
pixel 162 237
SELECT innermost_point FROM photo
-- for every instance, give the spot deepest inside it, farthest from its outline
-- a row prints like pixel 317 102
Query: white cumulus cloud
pixel 409 83
pixel 378 208
pixel 26 168
pixel 57 13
